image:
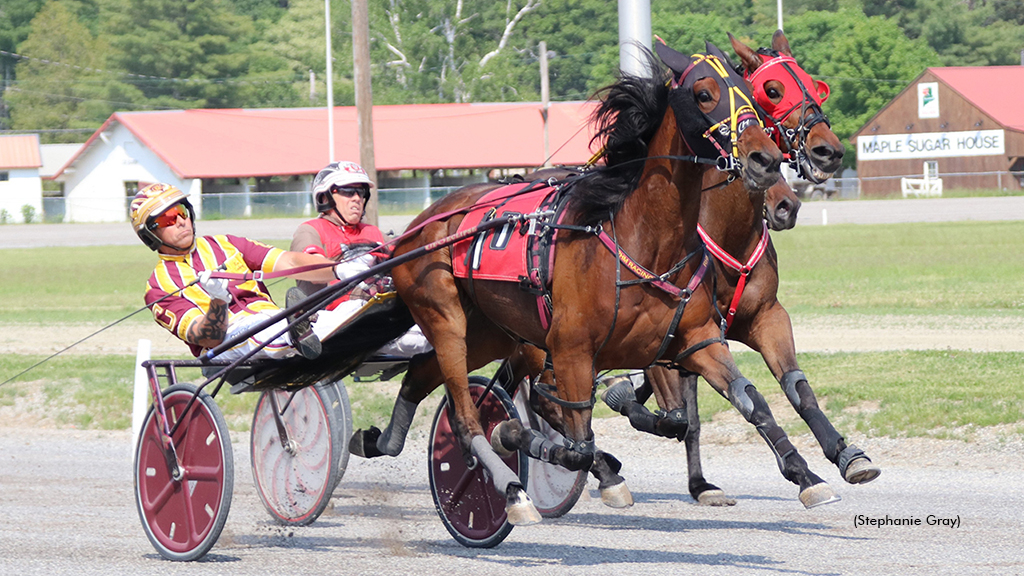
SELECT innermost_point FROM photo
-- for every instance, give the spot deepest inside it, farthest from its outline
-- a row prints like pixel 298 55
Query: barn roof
pixel 237 143
pixel 20 151
pixel 994 90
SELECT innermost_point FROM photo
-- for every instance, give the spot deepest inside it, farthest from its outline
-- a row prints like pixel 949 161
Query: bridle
pixel 784 69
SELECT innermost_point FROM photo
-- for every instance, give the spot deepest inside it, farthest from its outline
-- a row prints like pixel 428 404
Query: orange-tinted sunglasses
pixel 169 217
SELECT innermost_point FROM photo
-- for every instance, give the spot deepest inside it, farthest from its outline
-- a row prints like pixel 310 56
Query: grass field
pixel 962 269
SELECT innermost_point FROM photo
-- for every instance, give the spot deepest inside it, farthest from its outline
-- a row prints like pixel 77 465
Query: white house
pixel 20 184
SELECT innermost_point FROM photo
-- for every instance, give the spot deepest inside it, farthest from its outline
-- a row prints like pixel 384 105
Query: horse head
pixel 792 102
pixel 781 205
pixel 716 118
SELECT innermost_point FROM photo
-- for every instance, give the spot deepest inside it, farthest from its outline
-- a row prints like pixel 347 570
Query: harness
pixel 744 269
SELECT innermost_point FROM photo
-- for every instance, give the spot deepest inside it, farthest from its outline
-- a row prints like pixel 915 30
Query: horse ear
pixel 823 90
pixel 715 51
pixel 780 44
pixel 676 61
pixel 751 61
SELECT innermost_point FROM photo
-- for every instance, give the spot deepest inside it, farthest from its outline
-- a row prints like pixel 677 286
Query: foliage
pixel 28 213
pixel 259 53
pixel 59 87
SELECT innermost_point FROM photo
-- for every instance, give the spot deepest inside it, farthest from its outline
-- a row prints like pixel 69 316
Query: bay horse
pixel 757 319
pixel 637 214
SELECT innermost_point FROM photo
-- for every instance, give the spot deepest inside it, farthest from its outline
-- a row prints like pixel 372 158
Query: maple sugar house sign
pixel 931 145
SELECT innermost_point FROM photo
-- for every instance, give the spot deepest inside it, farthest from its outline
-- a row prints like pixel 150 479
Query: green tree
pixel 63 84
pixel 865 61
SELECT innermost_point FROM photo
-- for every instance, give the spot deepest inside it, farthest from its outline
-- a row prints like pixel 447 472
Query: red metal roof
pixel 20 151
pixel 995 90
pixel 287 141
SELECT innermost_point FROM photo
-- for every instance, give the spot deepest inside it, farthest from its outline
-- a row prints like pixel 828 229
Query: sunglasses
pixel 169 217
pixel 350 191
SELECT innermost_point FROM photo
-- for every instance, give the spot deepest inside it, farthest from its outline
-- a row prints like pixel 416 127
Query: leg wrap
pixel 502 475
pixel 576 455
pixel 392 440
pixel 668 425
pixel 760 417
pixel 739 397
pixel 788 382
pixel 538 446
pixel 802 398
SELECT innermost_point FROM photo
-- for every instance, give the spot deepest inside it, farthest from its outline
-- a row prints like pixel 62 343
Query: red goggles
pixel 169 217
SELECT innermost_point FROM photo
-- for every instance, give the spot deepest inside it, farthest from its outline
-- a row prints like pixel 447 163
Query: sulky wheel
pixel 184 517
pixel 470 508
pixel 295 459
pixel 553 489
pixel 343 429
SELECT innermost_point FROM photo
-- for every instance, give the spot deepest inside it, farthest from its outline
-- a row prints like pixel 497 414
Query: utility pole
pixel 364 98
pixel 545 99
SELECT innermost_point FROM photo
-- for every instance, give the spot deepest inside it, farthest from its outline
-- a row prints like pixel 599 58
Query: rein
pixel 743 269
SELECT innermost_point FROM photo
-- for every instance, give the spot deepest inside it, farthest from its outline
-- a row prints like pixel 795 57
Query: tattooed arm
pixel 208 331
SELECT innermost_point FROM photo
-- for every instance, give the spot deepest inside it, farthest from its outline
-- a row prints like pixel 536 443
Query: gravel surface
pixel 66 507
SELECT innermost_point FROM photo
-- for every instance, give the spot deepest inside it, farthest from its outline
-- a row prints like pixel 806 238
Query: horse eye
pixel 772 93
pixel 704 96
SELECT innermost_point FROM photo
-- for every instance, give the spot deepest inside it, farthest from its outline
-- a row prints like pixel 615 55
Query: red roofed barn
pixel 197 150
pixel 965 123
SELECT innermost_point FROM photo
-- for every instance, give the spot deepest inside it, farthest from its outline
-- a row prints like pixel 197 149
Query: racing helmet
pixel 152 201
pixel 338 175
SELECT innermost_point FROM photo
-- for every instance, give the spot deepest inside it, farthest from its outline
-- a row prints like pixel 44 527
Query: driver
pixel 340 193
pixel 204 311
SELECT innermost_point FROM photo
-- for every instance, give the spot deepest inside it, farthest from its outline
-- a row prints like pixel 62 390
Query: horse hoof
pixel 496 443
pixel 818 495
pixel 715 498
pixel 521 511
pixel 862 471
pixel 617 496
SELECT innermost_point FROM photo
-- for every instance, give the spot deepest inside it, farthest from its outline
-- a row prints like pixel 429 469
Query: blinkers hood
pixel 711 135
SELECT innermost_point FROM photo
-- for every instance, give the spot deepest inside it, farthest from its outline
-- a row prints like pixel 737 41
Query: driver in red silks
pixel 340 193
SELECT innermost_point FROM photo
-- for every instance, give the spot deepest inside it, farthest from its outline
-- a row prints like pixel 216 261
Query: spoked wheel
pixel 184 517
pixel 343 428
pixel 471 509
pixel 295 460
pixel 553 489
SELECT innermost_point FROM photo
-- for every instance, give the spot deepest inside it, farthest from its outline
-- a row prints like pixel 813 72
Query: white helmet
pixel 338 175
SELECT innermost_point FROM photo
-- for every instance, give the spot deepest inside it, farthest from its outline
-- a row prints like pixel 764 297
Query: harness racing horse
pixel 746 285
pixel 607 309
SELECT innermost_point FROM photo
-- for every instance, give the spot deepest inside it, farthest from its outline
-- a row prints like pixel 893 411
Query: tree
pixel 64 83
pixel 865 61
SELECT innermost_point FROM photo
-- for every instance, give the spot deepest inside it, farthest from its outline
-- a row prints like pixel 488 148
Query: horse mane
pixel 628 116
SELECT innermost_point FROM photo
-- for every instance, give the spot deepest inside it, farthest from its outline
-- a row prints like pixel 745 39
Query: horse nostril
pixel 767 162
pixel 828 153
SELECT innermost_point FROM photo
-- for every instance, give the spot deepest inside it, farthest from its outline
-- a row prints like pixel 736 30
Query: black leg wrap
pixel 575 455
pixel 800 395
pixel 739 397
pixel 672 424
pixel 364 443
pixel 849 454
pixel 788 383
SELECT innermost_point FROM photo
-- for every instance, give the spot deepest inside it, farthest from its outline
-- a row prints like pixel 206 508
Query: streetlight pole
pixel 780 15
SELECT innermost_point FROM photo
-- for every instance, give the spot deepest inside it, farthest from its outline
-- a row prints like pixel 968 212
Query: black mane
pixel 630 113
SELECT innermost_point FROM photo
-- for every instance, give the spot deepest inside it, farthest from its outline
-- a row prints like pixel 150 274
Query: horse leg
pixel 715 363
pixel 421 378
pixel 705 493
pixel 628 400
pixel 772 335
